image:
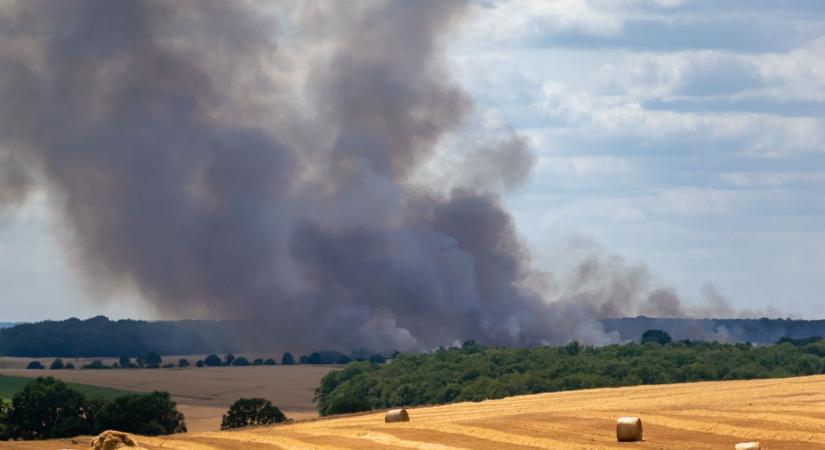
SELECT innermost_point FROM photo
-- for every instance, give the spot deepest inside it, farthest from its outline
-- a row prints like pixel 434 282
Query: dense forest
pixel 474 373
pixel 761 331
pixel 100 336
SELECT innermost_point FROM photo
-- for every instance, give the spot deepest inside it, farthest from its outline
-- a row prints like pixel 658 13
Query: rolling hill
pixel 781 413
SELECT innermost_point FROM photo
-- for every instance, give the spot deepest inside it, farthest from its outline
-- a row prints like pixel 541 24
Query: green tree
pixel 125 362
pixel 251 411
pixel 229 358
pixel 57 364
pixel 153 360
pixel 183 362
pixel 5 408
pixel 656 337
pixel 95 364
pixel 212 361
pixel 269 362
pixel 240 361
pixel 48 408
pixel 148 414
pixel 35 365
pixel 287 359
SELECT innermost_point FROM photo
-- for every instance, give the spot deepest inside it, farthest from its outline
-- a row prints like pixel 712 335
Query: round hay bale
pixel 111 440
pixel 397 415
pixel 748 446
pixel 629 429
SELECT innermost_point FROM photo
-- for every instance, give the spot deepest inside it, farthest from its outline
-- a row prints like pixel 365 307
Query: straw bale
pixel 111 440
pixel 748 446
pixel 397 415
pixel 629 429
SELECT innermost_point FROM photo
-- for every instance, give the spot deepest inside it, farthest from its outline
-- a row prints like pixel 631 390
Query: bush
pixel 69 365
pixel 183 362
pixel 200 363
pixel 251 411
pixel 270 362
pixel 95 364
pixel 147 414
pixel 656 337
pixel 35 365
pixel 153 360
pixel 212 361
pixel 48 408
pixel 240 361
pixel 229 358
pixel 57 364
pixel 258 362
pixel 168 366
pixel 126 362
pixel 287 359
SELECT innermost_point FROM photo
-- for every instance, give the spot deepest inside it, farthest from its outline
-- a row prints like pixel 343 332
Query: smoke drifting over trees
pixel 232 160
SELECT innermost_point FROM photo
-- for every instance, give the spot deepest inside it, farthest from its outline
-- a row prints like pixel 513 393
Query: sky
pixel 684 136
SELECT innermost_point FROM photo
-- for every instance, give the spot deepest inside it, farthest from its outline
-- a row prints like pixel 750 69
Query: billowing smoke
pixel 229 159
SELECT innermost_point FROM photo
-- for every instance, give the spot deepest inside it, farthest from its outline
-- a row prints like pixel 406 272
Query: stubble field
pixel 781 413
pixel 204 394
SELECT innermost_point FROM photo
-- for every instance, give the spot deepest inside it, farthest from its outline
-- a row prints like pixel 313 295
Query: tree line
pixel 475 373
pixel 154 360
pixel 48 408
pixel 99 336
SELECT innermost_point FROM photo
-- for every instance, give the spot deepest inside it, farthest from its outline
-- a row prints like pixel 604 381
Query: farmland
pixel 781 413
pixel 11 385
pixel 204 394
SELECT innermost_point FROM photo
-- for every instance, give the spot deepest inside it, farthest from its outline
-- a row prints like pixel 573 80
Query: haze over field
pixel 342 171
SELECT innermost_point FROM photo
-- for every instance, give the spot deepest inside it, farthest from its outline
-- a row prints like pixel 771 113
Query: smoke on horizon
pixel 227 160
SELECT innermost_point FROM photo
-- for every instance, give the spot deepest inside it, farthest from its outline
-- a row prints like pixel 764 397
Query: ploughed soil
pixel 204 394
pixel 781 413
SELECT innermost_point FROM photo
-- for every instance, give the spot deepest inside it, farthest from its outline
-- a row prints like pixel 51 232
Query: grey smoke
pixel 15 181
pixel 232 161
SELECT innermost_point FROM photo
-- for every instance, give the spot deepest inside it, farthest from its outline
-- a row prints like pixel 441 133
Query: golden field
pixel 781 413
pixel 203 394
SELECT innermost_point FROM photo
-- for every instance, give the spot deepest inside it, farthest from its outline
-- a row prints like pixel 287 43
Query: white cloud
pixel 519 20
pixel 772 179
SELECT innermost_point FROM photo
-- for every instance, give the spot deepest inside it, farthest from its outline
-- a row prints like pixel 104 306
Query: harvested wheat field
pixel 204 394
pixel 781 413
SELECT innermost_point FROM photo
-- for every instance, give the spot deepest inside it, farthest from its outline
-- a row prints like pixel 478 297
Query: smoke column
pixel 237 160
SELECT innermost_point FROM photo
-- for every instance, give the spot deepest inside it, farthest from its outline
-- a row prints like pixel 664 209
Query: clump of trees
pixel 153 360
pixel 475 373
pixel 251 411
pixel 656 337
pixel 35 365
pixel 147 414
pixel 48 408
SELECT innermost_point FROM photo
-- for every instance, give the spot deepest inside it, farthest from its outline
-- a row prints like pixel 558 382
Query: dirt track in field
pixel 782 414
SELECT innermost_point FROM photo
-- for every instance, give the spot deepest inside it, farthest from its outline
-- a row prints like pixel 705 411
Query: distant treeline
pixel 759 331
pixel 474 373
pixel 146 342
pixel 155 361
pixel 100 336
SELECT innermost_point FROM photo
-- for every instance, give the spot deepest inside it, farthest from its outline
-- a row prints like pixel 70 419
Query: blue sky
pixel 685 136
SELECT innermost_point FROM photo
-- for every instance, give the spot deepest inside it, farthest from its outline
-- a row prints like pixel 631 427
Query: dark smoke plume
pixel 228 159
